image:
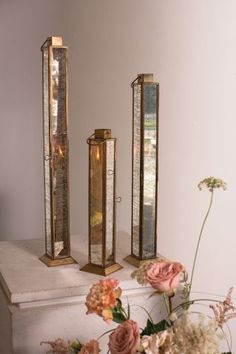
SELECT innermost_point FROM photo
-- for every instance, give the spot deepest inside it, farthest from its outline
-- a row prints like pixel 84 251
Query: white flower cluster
pixel 196 337
pixel 212 183
pixel 199 336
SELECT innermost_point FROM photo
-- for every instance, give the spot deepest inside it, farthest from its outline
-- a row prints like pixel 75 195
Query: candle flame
pixel 60 151
pixel 97 154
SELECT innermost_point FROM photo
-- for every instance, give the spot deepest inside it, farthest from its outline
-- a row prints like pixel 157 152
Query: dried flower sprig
pixel 225 310
pixel 59 346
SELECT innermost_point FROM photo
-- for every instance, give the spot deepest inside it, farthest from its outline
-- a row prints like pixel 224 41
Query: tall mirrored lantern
pixel 144 169
pixel 102 200
pixel 56 153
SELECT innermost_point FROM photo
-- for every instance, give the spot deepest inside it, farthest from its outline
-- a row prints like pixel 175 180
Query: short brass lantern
pixel 102 200
pixel 144 169
pixel 56 153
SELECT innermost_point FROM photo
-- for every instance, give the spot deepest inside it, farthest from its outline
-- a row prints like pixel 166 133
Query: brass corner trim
pixel 145 78
pixel 57 262
pixel 136 261
pixel 102 133
pixel 56 40
pixel 92 268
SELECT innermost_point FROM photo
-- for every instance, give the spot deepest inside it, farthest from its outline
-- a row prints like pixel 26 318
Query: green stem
pixel 170 304
pixel 199 239
pixel 191 302
pixel 167 304
pixel 124 313
pixel 143 308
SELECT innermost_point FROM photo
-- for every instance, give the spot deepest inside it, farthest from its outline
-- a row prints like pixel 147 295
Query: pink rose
pixel 125 338
pixel 164 276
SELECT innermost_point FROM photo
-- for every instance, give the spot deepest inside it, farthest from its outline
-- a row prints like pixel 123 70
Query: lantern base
pixel 57 262
pixel 138 262
pixel 95 269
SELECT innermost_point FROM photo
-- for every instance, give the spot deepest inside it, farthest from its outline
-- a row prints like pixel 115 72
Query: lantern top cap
pixel 54 40
pixel 102 134
pixel 145 78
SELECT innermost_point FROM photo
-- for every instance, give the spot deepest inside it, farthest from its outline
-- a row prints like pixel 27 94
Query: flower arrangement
pixel 182 331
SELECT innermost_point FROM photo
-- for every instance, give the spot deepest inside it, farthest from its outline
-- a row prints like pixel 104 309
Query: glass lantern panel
pixel 149 171
pixel 60 154
pixel 47 153
pixel 110 170
pixel 136 170
pixel 96 202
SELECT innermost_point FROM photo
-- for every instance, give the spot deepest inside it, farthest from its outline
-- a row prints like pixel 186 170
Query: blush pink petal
pixel 164 276
pixel 125 339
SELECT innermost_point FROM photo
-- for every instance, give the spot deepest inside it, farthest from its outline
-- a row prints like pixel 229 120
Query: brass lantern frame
pixel 51 258
pixel 100 139
pixel 143 80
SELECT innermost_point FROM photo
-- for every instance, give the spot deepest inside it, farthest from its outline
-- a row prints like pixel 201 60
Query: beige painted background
pixel 190 46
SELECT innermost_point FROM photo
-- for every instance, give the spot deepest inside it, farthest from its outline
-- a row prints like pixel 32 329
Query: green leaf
pixel 119 317
pixel 152 328
pixel 119 303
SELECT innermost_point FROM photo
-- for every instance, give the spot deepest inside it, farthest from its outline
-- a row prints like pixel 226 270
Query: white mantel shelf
pixel 39 303
pixel 26 279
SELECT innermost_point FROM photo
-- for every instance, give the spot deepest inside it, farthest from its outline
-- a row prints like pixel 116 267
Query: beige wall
pixel 24 25
pixel 190 46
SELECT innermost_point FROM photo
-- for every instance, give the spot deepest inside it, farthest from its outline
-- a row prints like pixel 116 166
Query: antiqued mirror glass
pixel 149 170
pixel 110 202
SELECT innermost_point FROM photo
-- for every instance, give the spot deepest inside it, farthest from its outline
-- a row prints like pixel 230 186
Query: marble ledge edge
pixel 72 300
pixel 68 294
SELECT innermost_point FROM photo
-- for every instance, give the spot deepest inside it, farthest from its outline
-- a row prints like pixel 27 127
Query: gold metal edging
pixel 104 200
pixel 51 150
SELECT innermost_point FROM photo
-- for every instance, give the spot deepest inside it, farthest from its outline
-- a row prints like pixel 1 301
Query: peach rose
pixel 125 339
pixel 164 276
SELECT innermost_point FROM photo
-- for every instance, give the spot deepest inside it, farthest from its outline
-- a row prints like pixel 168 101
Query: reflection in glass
pixel 136 168
pixel 96 202
pixel 59 151
pixel 47 155
pixel 149 169
pixel 110 202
